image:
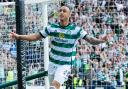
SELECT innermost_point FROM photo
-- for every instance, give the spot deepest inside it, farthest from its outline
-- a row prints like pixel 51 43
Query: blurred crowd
pixel 33 50
pixel 7 0
pixel 105 62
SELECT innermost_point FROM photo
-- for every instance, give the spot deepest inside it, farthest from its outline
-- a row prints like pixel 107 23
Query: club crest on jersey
pixel 61 35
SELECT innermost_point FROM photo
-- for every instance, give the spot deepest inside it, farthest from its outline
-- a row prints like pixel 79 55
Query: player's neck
pixel 64 23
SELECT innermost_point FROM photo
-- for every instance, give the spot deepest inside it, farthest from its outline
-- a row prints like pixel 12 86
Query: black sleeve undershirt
pixel 41 35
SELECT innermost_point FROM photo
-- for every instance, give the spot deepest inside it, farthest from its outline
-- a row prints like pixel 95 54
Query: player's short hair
pixel 66 4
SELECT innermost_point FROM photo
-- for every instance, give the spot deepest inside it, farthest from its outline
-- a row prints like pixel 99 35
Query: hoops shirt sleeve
pixel 44 33
pixel 83 33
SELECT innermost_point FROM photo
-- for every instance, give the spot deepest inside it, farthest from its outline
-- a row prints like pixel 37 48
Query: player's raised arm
pixel 31 37
pixel 95 41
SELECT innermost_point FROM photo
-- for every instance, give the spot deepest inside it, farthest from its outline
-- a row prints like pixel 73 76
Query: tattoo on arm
pixel 93 40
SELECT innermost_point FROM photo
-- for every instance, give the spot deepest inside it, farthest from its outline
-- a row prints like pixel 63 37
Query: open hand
pixel 13 35
pixel 105 38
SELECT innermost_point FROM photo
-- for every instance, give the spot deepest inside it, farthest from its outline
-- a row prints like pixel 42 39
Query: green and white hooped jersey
pixel 63 42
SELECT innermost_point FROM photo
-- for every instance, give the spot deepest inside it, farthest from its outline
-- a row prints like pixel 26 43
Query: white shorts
pixel 59 73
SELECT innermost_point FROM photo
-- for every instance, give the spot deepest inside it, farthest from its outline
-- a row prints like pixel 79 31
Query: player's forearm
pixel 93 40
pixel 32 37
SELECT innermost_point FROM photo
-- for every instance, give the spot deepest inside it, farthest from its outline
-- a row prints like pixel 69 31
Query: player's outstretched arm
pixel 95 41
pixel 31 37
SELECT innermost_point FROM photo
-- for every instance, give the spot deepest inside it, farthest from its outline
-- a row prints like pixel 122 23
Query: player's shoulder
pixel 77 27
pixel 53 25
pixel 71 26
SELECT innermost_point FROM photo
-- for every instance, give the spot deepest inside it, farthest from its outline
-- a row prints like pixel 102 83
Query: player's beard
pixel 64 20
